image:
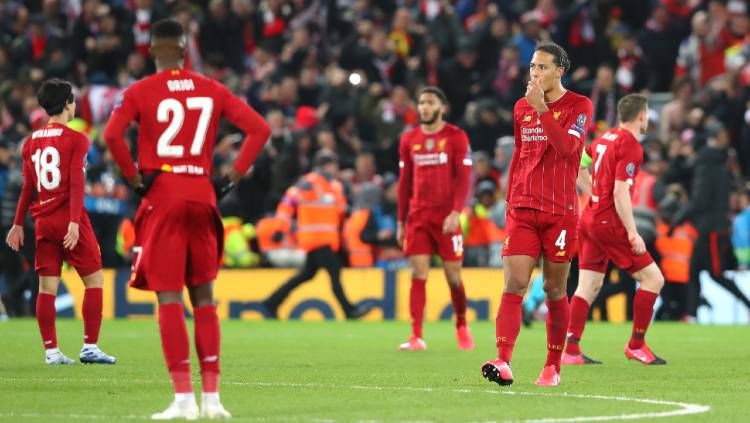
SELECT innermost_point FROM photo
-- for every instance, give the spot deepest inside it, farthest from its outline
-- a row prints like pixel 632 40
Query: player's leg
pixel 175 345
pixel 92 321
pixel 592 263
pixel 420 267
pixel 208 346
pixel 49 258
pixel 307 272
pixel 452 271
pixel 589 284
pixel 86 258
pixel 520 254
pixel 559 238
pixel 45 317
pixel 651 282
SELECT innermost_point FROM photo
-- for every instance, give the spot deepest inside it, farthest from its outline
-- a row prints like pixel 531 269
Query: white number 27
pixel 171 110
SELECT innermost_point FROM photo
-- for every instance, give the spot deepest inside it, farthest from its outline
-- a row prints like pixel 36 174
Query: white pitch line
pixel 682 410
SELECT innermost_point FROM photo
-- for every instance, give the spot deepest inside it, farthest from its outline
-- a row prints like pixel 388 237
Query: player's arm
pixel 123 114
pixel 567 138
pixel 77 186
pixel 624 208
pixel 15 235
pixel 584 182
pixel 405 181
pixel 516 154
pixel 462 172
pixel 255 128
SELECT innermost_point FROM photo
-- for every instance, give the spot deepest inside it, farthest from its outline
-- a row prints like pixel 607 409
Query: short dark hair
pixel 561 56
pixel 167 28
pixel 435 91
pixel 54 95
pixel 630 106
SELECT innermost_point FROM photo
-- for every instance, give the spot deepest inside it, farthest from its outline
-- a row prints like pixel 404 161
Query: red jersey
pixel 178 113
pixel 616 156
pixel 53 167
pixel 435 170
pixel 547 154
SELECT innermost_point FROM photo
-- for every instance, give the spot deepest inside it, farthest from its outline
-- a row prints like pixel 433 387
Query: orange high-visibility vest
pixel 360 253
pixel 482 230
pixel 320 206
pixel 268 227
pixel 675 251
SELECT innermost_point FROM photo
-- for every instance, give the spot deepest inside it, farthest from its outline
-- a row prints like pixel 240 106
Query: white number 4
pixel 560 243
pixel 173 107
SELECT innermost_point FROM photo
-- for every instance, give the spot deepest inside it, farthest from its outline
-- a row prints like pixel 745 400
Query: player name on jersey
pixel 47 133
pixel 177 85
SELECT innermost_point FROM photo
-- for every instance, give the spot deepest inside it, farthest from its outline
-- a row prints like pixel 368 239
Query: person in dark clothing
pixel 708 210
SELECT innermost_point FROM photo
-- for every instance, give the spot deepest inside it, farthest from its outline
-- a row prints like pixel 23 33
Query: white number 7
pixel 560 243
pixel 173 107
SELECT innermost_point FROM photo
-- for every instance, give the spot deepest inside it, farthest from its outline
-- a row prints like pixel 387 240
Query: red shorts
pixel 530 232
pixel 601 242
pixel 176 244
pixel 424 236
pixel 86 257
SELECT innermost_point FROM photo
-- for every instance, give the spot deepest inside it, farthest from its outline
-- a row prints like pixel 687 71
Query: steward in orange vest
pixel 318 202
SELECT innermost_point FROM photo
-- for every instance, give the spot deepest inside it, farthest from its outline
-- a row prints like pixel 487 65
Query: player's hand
pixel 637 244
pixel 15 237
pixel 400 234
pixel 136 182
pixel 535 96
pixel 71 238
pixel 451 222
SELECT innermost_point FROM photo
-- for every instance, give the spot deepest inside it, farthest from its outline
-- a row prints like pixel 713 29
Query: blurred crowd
pixel 340 76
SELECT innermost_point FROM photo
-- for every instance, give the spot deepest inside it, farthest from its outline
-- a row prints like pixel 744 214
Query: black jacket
pixel 708 208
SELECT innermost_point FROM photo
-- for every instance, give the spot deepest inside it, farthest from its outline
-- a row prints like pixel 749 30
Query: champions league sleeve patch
pixel 579 126
pixel 630 169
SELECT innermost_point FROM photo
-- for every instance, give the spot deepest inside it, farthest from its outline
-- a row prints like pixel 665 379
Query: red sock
pixel 643 310
pixel 92 315
pixel 176 346
pixel 507 325
pixel 416 305
pixel 207 343
pixel 45 317
pixel 558 317
pixel 579 312
pixel 458 297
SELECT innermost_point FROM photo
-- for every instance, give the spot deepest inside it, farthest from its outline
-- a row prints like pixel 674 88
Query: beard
pixel 430 120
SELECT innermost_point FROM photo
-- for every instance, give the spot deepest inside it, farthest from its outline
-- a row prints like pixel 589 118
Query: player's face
pixel 544 69
pixel 644 120
pixel 430 108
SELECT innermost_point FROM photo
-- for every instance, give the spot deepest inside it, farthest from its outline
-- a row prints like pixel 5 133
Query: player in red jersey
pixel 54 162
pixel 179 236
pixel 435 162
pixel 550 128
pixel 607 232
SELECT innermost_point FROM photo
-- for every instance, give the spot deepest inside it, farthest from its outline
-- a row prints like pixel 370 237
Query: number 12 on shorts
pixel 458 244
pixel 560 243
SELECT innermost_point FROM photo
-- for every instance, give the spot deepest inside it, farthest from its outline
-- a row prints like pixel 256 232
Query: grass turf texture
pixel 352 371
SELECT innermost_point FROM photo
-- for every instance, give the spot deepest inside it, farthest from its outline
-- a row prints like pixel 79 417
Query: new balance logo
pixel 211 359
pixel 560 254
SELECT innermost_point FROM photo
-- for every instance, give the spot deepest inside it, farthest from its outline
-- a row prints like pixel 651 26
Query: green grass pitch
pixel 351 371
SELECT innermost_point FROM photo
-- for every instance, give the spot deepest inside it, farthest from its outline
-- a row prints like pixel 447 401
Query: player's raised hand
pixel 15 237
pixel 535 95
pixel 637 244
pixel 71 238
pixel 400 234
pixel 451 222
